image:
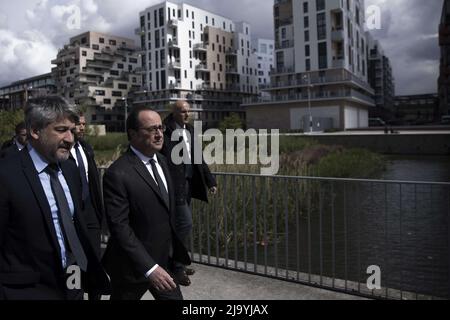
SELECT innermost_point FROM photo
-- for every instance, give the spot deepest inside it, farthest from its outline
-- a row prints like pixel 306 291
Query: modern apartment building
pixel 265 52
pixel 192 54
pixel 15 95
pixel 98 71
pixel 381 79
pixel 320 77
pixel 416 109
pixel 444 77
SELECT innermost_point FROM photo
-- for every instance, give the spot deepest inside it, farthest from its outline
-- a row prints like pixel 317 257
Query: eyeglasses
pixel 154 129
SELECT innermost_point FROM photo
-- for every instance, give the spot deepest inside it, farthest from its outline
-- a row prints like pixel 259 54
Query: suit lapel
pixel 143 172
pixel 36 186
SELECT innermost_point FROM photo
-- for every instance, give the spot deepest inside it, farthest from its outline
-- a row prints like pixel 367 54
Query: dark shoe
pixel 182 279
pixel 190 271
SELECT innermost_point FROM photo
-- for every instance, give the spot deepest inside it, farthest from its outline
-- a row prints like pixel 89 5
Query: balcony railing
pixel 329 94
pixel 200 47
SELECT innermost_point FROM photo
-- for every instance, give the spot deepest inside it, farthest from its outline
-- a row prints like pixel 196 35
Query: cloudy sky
pixel 31 31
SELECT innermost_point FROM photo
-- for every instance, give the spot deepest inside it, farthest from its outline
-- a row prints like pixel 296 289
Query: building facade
pixel 416 109
pixel 192 54
pixel 320 76
pixel 444 76
pixel 264 50
pixel 15 95
pixel 97 71
pixel 381 79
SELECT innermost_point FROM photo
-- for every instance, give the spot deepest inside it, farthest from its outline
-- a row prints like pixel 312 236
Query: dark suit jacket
pixel 139 220
pixel 94 209
pixel 202 178
pixel 9 150
pixel 30 257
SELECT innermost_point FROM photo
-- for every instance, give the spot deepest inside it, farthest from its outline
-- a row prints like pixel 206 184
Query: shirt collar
pixel 18 144
pixel 39 162
pixel 180 127
pixel 143 157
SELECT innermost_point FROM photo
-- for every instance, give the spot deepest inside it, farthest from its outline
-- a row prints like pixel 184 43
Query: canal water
pixel 338 229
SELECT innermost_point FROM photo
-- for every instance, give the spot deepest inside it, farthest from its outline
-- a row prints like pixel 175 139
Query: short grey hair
pixel 42 111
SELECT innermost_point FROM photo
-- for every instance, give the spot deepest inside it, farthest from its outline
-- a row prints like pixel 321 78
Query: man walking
pixel 191 180
pixel 140 203
pixel 42 227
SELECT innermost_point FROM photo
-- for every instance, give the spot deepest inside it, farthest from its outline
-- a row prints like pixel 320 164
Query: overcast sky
pixel 31 31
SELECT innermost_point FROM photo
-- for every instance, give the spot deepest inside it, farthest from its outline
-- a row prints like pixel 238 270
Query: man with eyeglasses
pixel 191 180
pixel 140 210
pixel 18 142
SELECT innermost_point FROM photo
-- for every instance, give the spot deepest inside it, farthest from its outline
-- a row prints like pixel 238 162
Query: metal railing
pixel 327 233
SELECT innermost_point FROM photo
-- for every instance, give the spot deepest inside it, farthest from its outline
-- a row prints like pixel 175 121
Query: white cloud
pixel 24 55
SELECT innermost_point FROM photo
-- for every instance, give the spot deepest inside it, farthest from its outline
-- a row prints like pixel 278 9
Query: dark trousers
pixel 183 223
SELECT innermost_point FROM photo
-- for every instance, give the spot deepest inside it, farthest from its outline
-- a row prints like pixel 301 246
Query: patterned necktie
pixel 66 218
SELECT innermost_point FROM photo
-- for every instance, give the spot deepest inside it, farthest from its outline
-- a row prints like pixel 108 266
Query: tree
pixel 8 122
pixel 233 121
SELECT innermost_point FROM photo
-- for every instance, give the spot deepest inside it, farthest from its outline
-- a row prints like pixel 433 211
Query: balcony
pixel 231 70
pixel 204 86
pixel 176 85
pixel 200 47
pixel 231 52
pixel 285 44
pixel 98 64
pixel 338 34
pixel 338 62
pixel 282 70
pixel 139 31
pixel 175 64
pixel 139 70
pixel 201 68
pixel 173 23
pixel 173 43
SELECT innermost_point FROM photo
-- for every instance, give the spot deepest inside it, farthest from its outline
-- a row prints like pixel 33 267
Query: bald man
pixel 190 180
pixel 140 210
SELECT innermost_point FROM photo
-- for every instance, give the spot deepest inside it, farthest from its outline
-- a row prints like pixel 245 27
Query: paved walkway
pixel 210 283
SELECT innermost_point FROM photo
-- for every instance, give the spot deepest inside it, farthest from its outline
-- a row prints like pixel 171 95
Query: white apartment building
pixel 264 50
pixel 98 71
pixel 192 54
pixel 320 77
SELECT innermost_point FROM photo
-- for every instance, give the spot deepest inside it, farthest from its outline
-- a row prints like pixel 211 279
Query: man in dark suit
pixel 190 180
pixel 139 203
pixel 18 142
pixel 82 155
pixel 43 234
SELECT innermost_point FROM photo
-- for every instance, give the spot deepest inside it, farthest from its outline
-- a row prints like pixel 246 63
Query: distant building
pixel 444 77
pixel 320 79
pixel 381 79
pixel 264 50
pixel 416 109
pixel 196 55
pixel 15 95
pixel 98 71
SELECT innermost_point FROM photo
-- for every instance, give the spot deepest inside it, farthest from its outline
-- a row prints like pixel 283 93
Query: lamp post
pixel 124 99
pixel 308 77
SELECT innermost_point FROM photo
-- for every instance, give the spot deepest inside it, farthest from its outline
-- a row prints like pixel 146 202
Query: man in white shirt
pixel 140 210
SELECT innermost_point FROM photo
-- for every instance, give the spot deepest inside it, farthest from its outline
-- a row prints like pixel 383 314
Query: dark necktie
pixel 160 183
pixel 66 218
pixel 82 168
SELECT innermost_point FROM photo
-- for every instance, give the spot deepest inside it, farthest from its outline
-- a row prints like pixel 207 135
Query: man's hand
pixel 161 280
pixel 213 190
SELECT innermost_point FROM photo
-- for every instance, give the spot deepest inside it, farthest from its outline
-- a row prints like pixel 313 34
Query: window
pixel 95 47
pixel 106 101
pixel 321 26
pixel 116 93
pixel 161 17
pixel 120 65
pixel 323 55
pixel 112 42
pixel 114 72
pixel 320 5
pixel 305 7
pixel 306 35
pixel 102 40
pixel 307 50
pixel 306 22
pixel 308 64
pixel 157 39
pixel 83 53
pixel 122 86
